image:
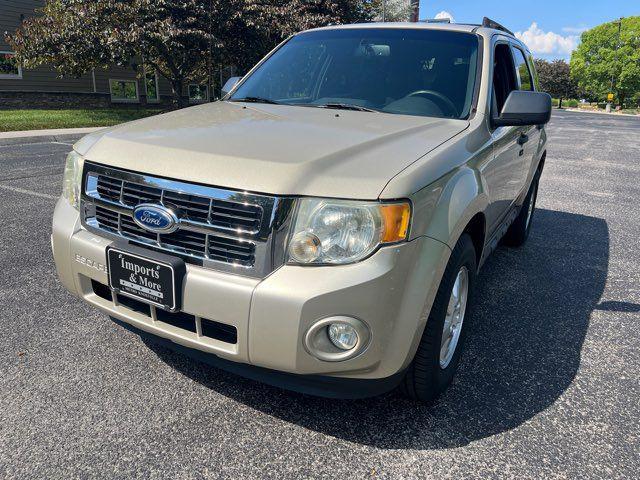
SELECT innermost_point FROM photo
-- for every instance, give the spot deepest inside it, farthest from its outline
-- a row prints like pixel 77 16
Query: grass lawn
pixel 11 120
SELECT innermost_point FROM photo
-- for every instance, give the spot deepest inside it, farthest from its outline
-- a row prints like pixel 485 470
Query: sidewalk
pixel 44 136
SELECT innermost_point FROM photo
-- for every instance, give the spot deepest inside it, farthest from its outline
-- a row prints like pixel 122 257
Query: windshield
pixel 402 71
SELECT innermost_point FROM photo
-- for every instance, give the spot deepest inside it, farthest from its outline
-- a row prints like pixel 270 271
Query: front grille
pixel 222 249
pixel 215 212
pixel 109 188
pixel 216 226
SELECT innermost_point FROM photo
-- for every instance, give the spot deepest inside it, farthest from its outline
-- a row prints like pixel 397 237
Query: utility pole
pixel 415 10
pixel 608 108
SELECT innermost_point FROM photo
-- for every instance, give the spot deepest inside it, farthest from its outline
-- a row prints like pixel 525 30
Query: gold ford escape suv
pixel 321 227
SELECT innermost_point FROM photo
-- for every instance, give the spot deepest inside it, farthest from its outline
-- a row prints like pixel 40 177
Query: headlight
pixel 72 178
pixel 341 231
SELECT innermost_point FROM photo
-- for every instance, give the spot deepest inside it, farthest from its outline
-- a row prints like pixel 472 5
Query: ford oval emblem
pixel 155 218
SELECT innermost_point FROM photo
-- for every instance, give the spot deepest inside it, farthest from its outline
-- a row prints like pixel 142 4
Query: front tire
pixel 438 354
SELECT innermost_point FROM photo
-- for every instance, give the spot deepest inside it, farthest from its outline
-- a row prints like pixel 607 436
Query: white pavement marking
pixel 28 192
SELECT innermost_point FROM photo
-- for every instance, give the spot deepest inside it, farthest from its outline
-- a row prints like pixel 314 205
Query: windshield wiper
pixel 255 100
pixel 346 106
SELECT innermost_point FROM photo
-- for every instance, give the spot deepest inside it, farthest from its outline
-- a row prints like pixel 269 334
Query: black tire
pixel 425 379
pixel 519 230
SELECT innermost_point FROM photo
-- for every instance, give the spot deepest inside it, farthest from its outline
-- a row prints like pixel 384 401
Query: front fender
pixel 443 209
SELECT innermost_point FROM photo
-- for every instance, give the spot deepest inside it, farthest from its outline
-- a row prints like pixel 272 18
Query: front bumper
pixel 391 292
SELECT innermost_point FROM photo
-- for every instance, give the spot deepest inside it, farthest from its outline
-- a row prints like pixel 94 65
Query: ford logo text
pixel 155 218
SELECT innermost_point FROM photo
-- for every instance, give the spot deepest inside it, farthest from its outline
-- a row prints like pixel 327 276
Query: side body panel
pixel 504 176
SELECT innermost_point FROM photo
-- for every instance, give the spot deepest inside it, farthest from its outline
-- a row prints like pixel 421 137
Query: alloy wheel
pixel 454 317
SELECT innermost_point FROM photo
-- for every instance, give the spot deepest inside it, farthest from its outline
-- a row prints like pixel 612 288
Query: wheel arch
pixel 477 230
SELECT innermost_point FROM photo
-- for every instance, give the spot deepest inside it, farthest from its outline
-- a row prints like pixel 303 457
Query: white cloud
pixel 575 30
pixel 445 14
pixel 548 43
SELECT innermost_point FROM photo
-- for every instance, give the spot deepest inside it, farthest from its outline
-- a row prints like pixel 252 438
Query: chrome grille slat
pixel 222 229
pixel 203 202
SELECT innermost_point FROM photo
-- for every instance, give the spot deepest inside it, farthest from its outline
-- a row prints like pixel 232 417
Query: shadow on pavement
pixel 532 313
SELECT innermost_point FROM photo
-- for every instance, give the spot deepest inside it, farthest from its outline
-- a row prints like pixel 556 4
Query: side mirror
pixel 524 108
pixel 228 86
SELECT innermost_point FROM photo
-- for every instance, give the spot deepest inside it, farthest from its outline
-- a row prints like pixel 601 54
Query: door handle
pixel 523 138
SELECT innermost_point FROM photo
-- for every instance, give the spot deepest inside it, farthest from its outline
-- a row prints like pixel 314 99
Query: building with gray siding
pixel 44 87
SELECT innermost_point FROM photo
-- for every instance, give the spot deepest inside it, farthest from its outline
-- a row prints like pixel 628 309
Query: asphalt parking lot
pixel 548 387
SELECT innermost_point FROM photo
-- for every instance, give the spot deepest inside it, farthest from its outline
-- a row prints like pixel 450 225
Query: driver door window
pixel 504 77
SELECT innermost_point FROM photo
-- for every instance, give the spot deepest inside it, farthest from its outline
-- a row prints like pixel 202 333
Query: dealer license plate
pixel 146 279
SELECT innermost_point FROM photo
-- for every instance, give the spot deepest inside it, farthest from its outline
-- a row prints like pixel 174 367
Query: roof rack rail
pixel 488 23
pixel 436 20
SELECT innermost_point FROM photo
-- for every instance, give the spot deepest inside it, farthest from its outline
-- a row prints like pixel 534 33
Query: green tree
pixel 391 10
pixel 181 39
pixel 555 79
pixel 261 24
pixel 75 36
pixel 609 51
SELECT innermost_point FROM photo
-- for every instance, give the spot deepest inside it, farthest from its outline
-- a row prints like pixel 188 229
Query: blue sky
pixel 551 29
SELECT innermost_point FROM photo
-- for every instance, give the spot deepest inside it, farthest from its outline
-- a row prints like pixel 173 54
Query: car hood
pixel 275 149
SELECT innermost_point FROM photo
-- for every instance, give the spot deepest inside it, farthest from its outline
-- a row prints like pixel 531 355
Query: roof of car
pixel 455 27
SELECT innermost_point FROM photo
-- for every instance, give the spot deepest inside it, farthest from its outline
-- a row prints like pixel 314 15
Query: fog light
pixel 337 338
pixel 343 336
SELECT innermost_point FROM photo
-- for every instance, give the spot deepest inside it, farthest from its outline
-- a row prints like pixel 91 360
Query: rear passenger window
pixel 524 75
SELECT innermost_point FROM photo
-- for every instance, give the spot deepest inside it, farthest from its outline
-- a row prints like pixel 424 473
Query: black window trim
pixel 497 39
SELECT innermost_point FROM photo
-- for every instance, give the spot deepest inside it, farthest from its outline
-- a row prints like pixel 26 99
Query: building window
pixel 9 68
pixel 123 90
pixel 151 85
pixel 198 93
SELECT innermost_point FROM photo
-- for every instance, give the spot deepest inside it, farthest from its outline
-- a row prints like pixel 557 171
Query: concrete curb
pixel 45 136
pixel 40 139
pixel 595 112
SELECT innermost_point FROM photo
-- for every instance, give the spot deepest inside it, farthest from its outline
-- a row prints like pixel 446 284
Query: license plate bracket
pixel 145 275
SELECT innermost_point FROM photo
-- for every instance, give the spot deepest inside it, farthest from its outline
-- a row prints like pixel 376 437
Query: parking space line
pixel 28 192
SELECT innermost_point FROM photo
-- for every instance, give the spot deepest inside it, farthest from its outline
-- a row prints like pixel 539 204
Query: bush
pixel 573 103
